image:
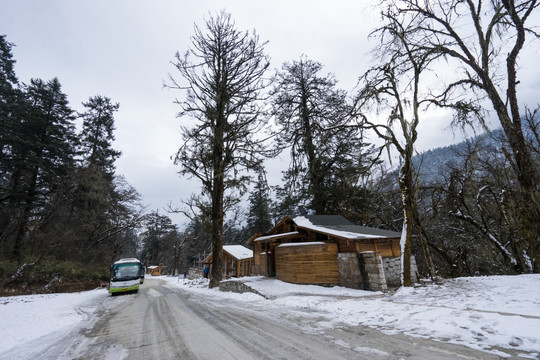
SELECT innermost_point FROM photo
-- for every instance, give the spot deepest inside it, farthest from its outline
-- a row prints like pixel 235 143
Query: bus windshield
pixel 124 272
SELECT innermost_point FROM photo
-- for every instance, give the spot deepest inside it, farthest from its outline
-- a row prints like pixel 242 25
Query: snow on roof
pixel 302 244
pixel 127 260
pixel 238 251
pixel 345 230
pixel 152 267
pixel 269 237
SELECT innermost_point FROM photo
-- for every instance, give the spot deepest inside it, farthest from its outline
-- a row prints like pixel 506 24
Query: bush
pixel 50 275
pixel 7 267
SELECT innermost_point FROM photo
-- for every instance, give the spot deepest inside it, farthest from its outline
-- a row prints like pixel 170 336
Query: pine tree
pixel 98 133
pixel 95 189
pixel 43 158
pixel 327 155
pixel 259 219
pixel 10 102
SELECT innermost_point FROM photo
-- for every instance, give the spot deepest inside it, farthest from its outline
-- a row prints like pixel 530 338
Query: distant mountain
pixel 431 164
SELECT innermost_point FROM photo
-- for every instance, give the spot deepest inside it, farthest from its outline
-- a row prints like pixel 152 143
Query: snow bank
pixel 39 320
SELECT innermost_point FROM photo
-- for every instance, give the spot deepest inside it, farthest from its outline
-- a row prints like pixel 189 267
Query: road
pixel 162 322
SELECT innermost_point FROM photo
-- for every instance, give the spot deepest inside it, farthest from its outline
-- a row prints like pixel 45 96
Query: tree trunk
pixel 424 241
pixel 217 231
pixel 405 181
pixel 218 191
pixel 318 198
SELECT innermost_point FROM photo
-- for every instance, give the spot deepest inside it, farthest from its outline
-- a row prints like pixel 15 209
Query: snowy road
pixel 163 322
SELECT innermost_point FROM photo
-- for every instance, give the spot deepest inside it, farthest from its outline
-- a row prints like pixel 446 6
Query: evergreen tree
pixel 43 158
pixel 95 189
pixel 10 98
pixel 98 133
pixel 327 155
pixel 158 228
pixel 259 220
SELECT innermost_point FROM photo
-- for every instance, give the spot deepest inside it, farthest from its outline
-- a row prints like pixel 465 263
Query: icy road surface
pixel 168 322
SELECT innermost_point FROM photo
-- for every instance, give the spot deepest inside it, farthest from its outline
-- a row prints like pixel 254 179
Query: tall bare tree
pixel 222 76
pixel 481 43
pixel 394 89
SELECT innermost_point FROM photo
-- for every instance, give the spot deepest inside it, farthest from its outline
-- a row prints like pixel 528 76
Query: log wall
pixel 308 264
pixel 386 248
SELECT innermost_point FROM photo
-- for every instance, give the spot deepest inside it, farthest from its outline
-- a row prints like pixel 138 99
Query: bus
pixel 126 276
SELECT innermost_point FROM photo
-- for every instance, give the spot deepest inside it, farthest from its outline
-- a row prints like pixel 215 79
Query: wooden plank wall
pixel 308 264
pixel 263 265
pixel 387 248
pixel 243 268
pixel 257 249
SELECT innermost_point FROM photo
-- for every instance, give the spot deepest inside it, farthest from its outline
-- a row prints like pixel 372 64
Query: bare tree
pixel 481 42
pixel 394 88
pixel 222 77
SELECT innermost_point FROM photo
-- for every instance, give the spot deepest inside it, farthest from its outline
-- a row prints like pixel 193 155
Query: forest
pixel 469 209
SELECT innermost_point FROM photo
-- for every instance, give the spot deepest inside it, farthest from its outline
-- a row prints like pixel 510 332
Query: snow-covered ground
pixel 492 314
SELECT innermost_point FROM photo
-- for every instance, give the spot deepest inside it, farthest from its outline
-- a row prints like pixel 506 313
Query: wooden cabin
pixel 237 261
pixel 320 249
pixel 154 270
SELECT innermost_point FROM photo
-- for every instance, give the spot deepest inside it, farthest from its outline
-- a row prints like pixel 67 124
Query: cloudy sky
pixel 123 48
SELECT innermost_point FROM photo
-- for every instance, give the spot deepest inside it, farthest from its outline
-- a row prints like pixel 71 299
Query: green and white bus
pixel 126 276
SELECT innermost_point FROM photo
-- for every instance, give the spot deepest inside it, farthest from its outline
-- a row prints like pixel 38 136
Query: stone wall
pixel 369 271
pixel 349 271
pixel 194 273
pixel 237 287
pixel 392 270
pixel 372 270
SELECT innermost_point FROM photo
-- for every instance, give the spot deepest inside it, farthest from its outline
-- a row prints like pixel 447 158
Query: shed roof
pixel 238 251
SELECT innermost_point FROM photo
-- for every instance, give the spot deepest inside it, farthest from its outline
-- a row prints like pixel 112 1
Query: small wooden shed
pixel 154 270
pixel 319 249
pixel 237 261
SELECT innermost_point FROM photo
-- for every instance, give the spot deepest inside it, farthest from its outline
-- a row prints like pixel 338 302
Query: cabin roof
pixel 333 225
pixel 339 226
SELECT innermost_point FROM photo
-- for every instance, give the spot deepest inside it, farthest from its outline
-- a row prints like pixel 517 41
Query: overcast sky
pixel 123 48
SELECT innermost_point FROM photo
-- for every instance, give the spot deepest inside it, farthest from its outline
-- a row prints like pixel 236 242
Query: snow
pixel 33 322
pixel 496 314
pixel 127 260
pixel 238 251
pixel 302 244
pixel 269 237
pixel 485 313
